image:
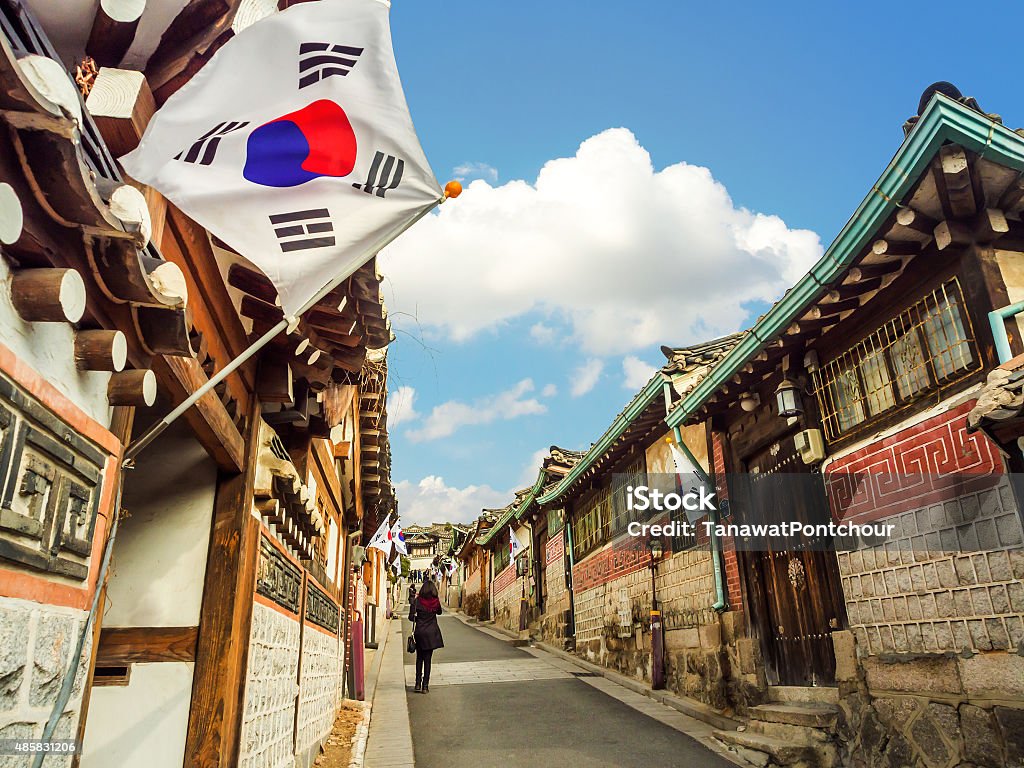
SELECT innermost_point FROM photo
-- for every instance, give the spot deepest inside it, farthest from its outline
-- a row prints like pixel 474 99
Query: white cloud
pixel 542 333
pixel 550 390
pixel 432 500
pixel 637 373
pixel 476 171
pixel 620 254
pixel 585 377
pixel 401 406
pixel 530 470
pixel 447 418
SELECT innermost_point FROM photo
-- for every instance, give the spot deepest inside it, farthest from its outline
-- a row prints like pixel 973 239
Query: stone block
pixel 55 639
pixel 14 623
pixel 920 676
pixel 981 571
pixel 993 675
pixel 981 741
pixel 845 649
pixel 1008 530
pixel 1011 725
pixel 710 635
pixel 928 739
pixel 748 653
pixel 676 639
pixel 947 574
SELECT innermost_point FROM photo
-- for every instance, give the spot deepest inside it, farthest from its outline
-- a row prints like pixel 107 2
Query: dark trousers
pixel 423 666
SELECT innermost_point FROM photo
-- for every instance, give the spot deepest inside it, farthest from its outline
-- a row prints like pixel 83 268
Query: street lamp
pixel 657 636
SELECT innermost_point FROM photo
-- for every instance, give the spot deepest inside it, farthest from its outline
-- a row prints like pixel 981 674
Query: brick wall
pixel 270 690
pixel 36 642
pixel 507 591
pixel 686 589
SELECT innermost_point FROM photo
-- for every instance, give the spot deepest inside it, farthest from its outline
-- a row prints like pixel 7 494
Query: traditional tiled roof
pixel 1000 405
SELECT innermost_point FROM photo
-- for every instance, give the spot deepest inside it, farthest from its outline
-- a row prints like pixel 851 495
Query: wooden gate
pixel 793 584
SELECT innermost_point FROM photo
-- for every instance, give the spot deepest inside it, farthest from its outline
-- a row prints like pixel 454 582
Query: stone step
pixel 797 694
pixel 808 714
pixel 798 733
pixel 781 751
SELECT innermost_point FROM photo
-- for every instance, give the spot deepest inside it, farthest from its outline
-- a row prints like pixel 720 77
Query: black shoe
pixel 426 689
pixel 417 688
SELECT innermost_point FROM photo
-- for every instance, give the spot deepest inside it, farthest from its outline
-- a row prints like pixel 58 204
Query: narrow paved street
pixel 552 712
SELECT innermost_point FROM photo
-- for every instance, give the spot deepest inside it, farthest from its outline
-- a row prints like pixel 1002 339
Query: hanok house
pixel 221 628
pixel 544 566
pixel 855 388
pixel 475 567
pixel 512 586
pixel 614 581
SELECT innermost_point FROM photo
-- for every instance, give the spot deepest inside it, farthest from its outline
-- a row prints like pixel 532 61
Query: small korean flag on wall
pixel 294 145
pixel 514 547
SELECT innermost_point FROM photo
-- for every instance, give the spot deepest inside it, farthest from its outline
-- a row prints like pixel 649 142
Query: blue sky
pixel 773 122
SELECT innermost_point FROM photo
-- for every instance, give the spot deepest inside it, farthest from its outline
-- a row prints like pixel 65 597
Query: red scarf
pixel 429 603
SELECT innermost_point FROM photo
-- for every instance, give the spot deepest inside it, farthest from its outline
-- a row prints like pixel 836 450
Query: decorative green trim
pixel 634 410
pixel 944 120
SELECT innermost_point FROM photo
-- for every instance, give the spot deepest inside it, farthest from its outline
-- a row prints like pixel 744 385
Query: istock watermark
pixel 894 514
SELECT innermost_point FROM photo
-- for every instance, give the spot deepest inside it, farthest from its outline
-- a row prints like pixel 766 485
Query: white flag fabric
pixel 382 539
pixel 398 539
pixel 514 547
pixel 294 146
pixel 689 473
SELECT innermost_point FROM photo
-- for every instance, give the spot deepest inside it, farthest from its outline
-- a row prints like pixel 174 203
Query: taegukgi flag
pixel 514 547
pixel 398 538
pixel 382 539
pixel 294 145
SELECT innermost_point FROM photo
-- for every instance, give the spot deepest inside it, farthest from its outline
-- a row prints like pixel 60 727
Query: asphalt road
pixel 533 723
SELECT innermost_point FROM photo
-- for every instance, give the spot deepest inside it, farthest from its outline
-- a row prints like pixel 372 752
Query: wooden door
pixel 542 568
pixel 793 584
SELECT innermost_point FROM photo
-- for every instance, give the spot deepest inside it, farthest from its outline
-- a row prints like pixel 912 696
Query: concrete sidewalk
pixel 390 739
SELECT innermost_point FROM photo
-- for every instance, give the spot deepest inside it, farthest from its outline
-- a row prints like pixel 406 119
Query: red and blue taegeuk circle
pixel 307 144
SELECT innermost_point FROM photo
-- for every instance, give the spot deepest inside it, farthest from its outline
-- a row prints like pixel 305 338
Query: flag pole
pixel 287 323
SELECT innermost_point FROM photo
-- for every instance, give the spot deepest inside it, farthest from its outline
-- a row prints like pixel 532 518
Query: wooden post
pixel 135 387
pixel 218 687
pixel 113 30
pixel 101 350
pixel 121 104
pixel 48 295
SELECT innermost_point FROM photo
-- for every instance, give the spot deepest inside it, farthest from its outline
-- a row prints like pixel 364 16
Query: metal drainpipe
pixel 720 603
pixel 996 319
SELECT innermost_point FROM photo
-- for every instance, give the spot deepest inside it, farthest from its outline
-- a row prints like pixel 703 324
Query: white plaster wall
pixel 143 723
pixel 48 348
pixel 160 554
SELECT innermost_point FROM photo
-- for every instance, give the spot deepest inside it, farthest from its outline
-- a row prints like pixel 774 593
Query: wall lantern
pixel 657 549
pixel 788 398
pixel 750 401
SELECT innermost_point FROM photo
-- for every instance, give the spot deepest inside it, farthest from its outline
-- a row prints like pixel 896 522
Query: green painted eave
pixel 633 411
pixel 516 511
pixel 944 120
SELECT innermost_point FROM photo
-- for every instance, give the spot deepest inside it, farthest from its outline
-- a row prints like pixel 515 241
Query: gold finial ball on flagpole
pixel 452 189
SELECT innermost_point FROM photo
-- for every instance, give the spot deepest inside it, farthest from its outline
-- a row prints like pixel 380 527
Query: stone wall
pixel 508 589
pixel 36 643
pixel 268 721
pixel 931 670
pixel 319 684
pixel 553 622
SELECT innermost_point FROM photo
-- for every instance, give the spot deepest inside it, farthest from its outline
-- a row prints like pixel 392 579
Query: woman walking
pixel 423 614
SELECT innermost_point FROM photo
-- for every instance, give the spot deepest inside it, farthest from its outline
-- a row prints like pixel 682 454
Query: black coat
pixel 427 633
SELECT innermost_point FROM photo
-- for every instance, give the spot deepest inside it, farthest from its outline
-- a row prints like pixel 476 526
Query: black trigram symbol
pixel 300 230
pixel 385 174
pixel 318 61
pixel 207 144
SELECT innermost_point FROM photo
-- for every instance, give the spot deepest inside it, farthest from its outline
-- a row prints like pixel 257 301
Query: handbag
pixel 410 645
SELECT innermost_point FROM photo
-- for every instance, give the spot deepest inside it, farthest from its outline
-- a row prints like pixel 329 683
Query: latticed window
pixel 501 553
pixel 556 521
pixel 632 475
pixel 590 527
pixel 926 347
